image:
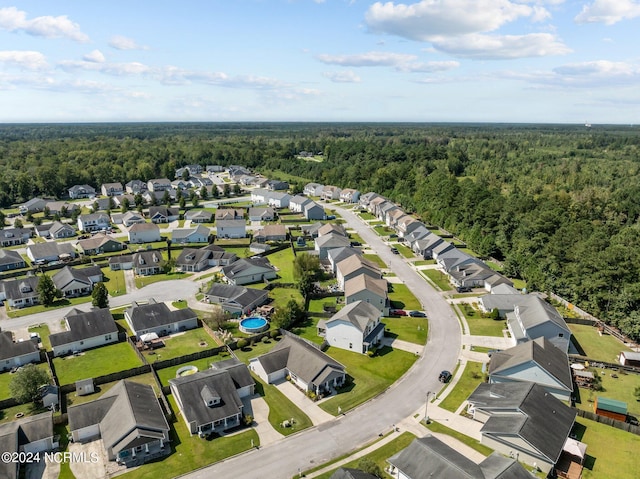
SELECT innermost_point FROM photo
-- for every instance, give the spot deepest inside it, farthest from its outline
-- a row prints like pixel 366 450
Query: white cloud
pixel 115 69
pixel 95 56
pixel 369 59
pixel 501 47
pixel 598 68
pixel 342 77
pixel 123 43
pixel 429 67
pixel 27 60
pixel 14 20
pixel 608 11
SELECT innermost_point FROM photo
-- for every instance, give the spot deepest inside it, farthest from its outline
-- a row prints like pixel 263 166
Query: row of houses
pixel 329 192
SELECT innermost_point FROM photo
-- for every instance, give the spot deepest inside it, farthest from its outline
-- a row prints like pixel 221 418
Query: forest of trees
pixel 559 205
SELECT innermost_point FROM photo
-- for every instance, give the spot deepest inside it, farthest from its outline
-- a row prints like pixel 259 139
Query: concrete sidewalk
pixel 403 345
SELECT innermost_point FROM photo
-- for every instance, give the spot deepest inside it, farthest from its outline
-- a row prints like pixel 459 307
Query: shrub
pixel 274 334
pixel 247 419
pixel 266 340
pixel 370 353
pixel 242 343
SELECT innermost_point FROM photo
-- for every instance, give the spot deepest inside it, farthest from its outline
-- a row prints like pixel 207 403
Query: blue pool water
pixel 255 324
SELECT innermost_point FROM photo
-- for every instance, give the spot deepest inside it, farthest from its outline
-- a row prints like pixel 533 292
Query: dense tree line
pixel 557 204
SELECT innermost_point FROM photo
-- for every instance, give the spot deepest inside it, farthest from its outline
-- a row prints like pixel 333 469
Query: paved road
pixel 322 443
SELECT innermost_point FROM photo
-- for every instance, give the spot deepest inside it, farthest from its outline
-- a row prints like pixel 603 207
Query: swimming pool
pixel 254 324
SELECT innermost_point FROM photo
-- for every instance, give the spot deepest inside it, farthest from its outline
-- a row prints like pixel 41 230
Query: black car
pixel 445 377
pixel 463 289
pixel 417 314
pixel 395 251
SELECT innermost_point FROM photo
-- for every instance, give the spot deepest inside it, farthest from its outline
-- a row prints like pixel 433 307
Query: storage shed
pixel 611 408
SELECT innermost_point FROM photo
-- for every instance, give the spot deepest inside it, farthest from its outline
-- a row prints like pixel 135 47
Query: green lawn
pixel 438 428
pixel 620 388
pixel 406 328
pixel 374 258
pixel 202 365
pixel 282 409
pixel 365 215
pixel 369 376
pixel 404 251
pixel 356 237
pixel 283 260
pixel 603 348
pixel 480 326
pixel 73 399
pixel 43 332
pixel 5 379
pixel 309 329
pixel 96 362
pixel 61 303
pixel 380 455
pixel 611 452
pixel 470 379
pixel 183 344
pixel 281 296
pixel 118 315
pixel 192 452
pixel 424 262
pixel 402 298
pixel 142 281
pixel 9 414
pixel 382 229
pixel 494 266
pixel 114 281
pixel 440 279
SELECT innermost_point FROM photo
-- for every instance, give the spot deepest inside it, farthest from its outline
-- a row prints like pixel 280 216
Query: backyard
pixel 202 365
pixel 114 281
pixel 181 344
pixel 283 261
pixel 74 399
pixel 96 362
pixel 5 379
pixel 617 385
pixel 601 347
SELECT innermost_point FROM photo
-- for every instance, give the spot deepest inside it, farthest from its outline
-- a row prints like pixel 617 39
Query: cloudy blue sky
pixel 566 61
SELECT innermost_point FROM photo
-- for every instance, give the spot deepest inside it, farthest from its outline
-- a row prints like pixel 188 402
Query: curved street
pixel 325 442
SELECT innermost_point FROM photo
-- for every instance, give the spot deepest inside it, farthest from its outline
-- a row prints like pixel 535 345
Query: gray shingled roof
pixel 358 313
pixel 13 287
pixel 9 349
pixel 244 264
pixel 152 315
pixel 348 473
pixel 535 311
pixel 51 248
pixel 86 325
pixel 239 371
pixel 68 274
pixel 238 294
pixel 8 256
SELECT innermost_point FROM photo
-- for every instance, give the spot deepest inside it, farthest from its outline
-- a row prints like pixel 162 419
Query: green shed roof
pixel 612 405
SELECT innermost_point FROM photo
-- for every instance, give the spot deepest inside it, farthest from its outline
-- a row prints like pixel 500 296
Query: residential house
pixel 122 262
pixel 50 251
pixel 311 231
pixel 215 169
pixel 200 182
pixel 277 185
pixel 119 201
pixel 406 225
pixel 313 211
pixel 262 214
pixel 375 203
pixel 146 263
pixel 131 218
pixel 327 242
pixel 158 184
pixel 192 170
pixel 10 259
pixel 353 266
pixel 271 233
pixel 419 233
pixel 61 208
pixel 522 420
pixel 162 214
pixel 55 230
pixel 219 257
pixel 15 354
pixel 331 228
pixel 536 318
pixel 308 368
pixel 100 243
pixel 73 282
pixel 81 191
pixel 159 197
pixel 236 300
pixel 129 420
pixel 112 189
pixel 197 234
pixel 425 245
pixel 392 216
pixel 180 184
pixel 385 207
pixel 368 289
pixel 231 229
pixel 356 327
pixel 297 202
pixel 21 292
pixel 536 361
pixel 428 457
pixel 338 254
pixel 313 189
pixel 331 192
pixel 14 236
pixel 197 259
pixel 505 303
pixel 366 198
pixel 454 258
pixel 85 331
pixel 260 196
pixel 211 401
pixel 279 200
pixel 135 187
pixel 249 270
pixel 229 214
pixel 144 233
pixel 349 195
pixel 93 222
pixel 158 318
pixel 34 205
pixel 199 216
pixel 30 435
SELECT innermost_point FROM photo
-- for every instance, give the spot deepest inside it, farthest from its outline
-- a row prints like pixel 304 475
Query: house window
pixel 107 337
pixel 561 335
pixel 81 343
pixel 350 345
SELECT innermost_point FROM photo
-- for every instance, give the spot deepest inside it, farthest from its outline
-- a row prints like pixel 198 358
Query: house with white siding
pixel 144 233
pixel 232 229
pixel 14 354
pixel 356 327
pixel 84 331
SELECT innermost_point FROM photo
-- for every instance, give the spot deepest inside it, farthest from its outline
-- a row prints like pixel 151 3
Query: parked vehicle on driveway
pixel 395 251
pixel 397 312
pixel 463 289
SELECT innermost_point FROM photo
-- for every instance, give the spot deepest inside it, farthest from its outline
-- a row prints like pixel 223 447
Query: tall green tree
pixel 26 382
pixel 47 291
pixel 100 296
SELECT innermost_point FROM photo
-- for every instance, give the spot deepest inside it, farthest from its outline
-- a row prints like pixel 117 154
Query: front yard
pixel 479 325
pixel 281 409
pixel 142 281
pixel 406 328
pixel 96 362
pixel 471 377
pixel 202 365
pixel 114 281
pixel 402 298
pixel 368 376
pixel 440 279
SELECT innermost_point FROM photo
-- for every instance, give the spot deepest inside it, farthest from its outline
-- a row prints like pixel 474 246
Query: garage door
pixel 86 433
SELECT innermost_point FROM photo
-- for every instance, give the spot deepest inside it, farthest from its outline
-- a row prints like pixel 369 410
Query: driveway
pixel 310 408
pixel 259 409
pixel 42 470
pixel 129 280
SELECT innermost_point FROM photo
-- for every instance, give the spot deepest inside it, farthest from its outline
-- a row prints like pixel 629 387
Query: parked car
pixel 393 235
pixel 395 251
pixel 445 377
pixel 417 314
pixel 463 289
pixel 331 217
pixel 397 312
pixel 356 243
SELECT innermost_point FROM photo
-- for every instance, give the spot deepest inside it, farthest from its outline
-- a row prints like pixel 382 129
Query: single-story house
pixel 159 184
pixel 131 218
pixel 34 205
pixel 266 213
pixel 144 233
pixel 21 292
pixel 248 270
pixel 521 419
pixel 536 361
pixel 51 251
pixel 10 259
pixel 356 327
pixel 85 331
pixel 162 214
pixel 199 216
pixel 158 318
pixel 16 354
pixel 30 434
pixel 327 242
pixel 73 282
pixel 14 236
pixel 308 367
pixel 159 197
pixel 231 229
pixel 129 420
pixel 236 300
pixel 428 457
pixel 197 259
pixel 120 201
pixel 81 191
pixel 211 400
pixel 93 222
pixel 368 289
pixel 55 230
pixel 112 189
pixel 271 233
pixel 146 263
pixel 198 234
pixel 123 261
pixel 100 243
